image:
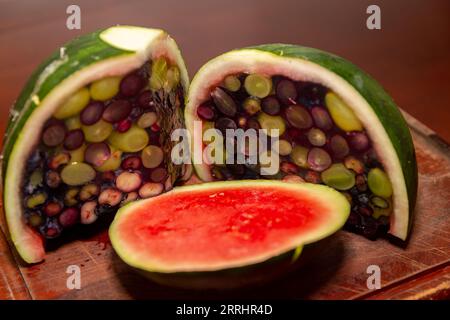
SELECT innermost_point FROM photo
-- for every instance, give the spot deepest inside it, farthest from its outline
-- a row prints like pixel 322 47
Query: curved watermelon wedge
pixel 374 108
pixel 206 231
pixel 109 52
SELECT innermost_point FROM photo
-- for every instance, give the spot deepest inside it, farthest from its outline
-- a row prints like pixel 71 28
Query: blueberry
pixel 363 198
pixel 51 228
pixel 354 192
pixel 104 209
pixel 311 94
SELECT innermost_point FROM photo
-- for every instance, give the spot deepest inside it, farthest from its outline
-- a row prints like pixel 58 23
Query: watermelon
pixel 108 71
pixel 225 234
pixel 336 126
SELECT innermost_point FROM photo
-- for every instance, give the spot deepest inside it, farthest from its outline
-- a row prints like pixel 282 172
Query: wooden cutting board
pixel 337 269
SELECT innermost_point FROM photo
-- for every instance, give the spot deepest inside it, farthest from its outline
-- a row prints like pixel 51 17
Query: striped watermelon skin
pixel 77 54
pixel 382 104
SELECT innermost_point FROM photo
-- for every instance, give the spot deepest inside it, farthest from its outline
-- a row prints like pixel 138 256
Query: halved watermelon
pixel 204 235
pixel 336 124
pixel 88 69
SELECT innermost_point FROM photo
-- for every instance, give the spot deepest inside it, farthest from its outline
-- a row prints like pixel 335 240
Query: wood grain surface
pixel 409 56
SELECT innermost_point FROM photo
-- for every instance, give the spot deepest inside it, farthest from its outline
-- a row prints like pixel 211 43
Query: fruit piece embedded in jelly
pixel 258 85
pixel 316 137
pixel 73 105
pixel 73 123
pixel 251 105
pixel 299 156
pixel 77 155
pixel 286 91
pixel 321 118
pixel 113 162
pixel 342 115
pixel 117 111
pixel 271 105
pixel 53 135
pixel 339 146
pixel 274 125
pixel 318 159
pixel 232 83
pixel 77 173
pixel 379 183
pixel 224 103
pixel 152 156
pixel 36 200
pixel 147 119
pixel 74 139
pixel 134 140
pixel 338 177
pixel 298 117
pixel 91 114
pixel 158 74
pixel 284 147
pixel 97 132
pixel 172 78
pixel 97 154
pixel 131 85
pixel 104 89
pixel 206 111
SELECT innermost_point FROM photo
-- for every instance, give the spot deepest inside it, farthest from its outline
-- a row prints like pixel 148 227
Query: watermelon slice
pixel 99 110
pixel 336 126
pixel 203 235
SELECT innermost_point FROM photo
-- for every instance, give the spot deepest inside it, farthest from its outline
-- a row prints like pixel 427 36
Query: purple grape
pixel 253 123
pixel 74 139
pixel 97 153
pixel 270 105
pixel 158 175
pixel 69 217
pixel 206 112
pixel 358 141
pixel 321 118
pixel 298 117
pixel 225 123
pixel 131 163
pixel 318 159
pixel 117 111
pixel 123 126
pixel 339 146
pixel 92 113
pixel 145 100
pixel 286 92
pixel 131 85
pixel 54 135
pixel 224 102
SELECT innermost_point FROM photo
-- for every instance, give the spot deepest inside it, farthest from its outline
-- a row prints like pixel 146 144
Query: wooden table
pixel 409 56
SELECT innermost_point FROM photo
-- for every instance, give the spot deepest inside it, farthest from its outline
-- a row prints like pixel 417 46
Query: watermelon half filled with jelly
pixel 334 123
pixel 90 132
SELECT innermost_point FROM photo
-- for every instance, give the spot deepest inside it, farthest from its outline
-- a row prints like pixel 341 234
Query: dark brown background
pixel 410 55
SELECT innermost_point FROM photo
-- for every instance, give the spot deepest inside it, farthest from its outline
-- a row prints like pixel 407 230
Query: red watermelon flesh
pixel 219 226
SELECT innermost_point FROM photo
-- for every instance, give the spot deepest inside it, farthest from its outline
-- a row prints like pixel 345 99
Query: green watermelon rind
pixel 377 104
pixel 189 275
pixel 124 47
pixel 257 274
